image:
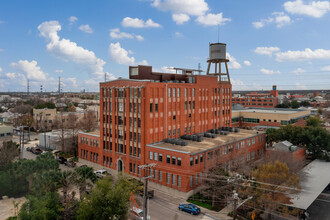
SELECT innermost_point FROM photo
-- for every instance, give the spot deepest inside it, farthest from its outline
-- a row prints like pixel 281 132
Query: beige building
pixel 44 118
pixel 254 118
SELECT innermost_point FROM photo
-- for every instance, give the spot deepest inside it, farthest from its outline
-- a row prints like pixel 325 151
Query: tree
pixel 89 121
pixel 62 126
pixel 108 200
pixel 47 206
pixel 73 125
pixel 8 152
pixel 85 177
pixel 272 182
pixel 313 121
pixel 295 104
pixel 48 105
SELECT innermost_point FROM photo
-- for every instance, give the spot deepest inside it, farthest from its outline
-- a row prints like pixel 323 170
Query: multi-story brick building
pixel 139 113
pixel 259 100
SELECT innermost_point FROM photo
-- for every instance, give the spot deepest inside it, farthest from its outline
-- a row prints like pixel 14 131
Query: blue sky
pixel 268 42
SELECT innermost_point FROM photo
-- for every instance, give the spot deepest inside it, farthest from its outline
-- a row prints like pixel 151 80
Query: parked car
pixel 101 173
pixel 36 150
pixel 190 208
pixel 136 214
pixel 150 194
pixel 69 163
pixel 29 149
pixel 62 160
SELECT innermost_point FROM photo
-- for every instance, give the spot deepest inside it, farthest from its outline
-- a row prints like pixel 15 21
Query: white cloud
pixel 178 34
pixel 58 71
pixel 1 50
pixel 269 72
pixel 165 69
pixel 68 50
pixel 212 19
pixel 279 18
pixel 72 19
pixel 31 69
pixel 120 55
pixel 73 81
pixel 238 84
pixel 233 64
pixel 266 50
pixel 306 54
pixel 180 18
pixel 116 34
pixel 326 68
pixel 16 78
pixel 298 71
pixel 301 86
pixel 247 63
pixel 86 28
pixel 314 9
pixel 0 69
pixel 139 23
pixel 189 7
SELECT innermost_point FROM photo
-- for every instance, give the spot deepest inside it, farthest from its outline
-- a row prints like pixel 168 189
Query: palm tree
pixel 85 177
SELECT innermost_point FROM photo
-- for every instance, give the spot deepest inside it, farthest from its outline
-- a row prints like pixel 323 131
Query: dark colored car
pixel 62 160
pixel 29 149
pixel 36 150
pixel 190 208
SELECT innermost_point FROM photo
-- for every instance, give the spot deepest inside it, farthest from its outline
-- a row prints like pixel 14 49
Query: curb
pixel 210 216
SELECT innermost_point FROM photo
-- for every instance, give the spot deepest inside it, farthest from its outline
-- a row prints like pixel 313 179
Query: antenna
pixel 59 85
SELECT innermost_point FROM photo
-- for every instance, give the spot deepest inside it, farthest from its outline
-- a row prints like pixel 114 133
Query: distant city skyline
pixel 283 43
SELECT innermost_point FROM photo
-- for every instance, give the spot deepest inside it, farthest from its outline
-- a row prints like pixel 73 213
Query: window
pixel 160 176
pixel 178 90
pixel 130 167
pixel 224 150
pixel 168 159
pixel 168 178
pixel 193 92
pixel 191 161
pixel 169 133
pixel 156 107
pixel 150 155
pixel 150 107
pixel 169 92
pixel 237 146
pixel 248 142
pixel 174 93
pixel 174 132
pixel 173 179
pixel 155 174
pixel 185 105
pixel 191 181
pixel 179 161
pixel 201 158
pixel 121 107
pixel 196 159
pixel 253 140
pixel 253 155
pixel 178 130
pixel 155 156
pixel 242 144
pixel 185 92
pixel 196 179
pixel 173 160
pixel 179 181
pixel 160 157
pixel 248 157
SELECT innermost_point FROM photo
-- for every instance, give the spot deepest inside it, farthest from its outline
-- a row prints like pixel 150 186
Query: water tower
pixel 218 58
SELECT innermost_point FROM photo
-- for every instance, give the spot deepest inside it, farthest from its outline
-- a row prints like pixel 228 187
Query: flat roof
pixel 270 110
pixel 314 178
pixel 93 133
pixel 194 147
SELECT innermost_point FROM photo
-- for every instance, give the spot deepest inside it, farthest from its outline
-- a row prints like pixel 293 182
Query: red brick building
pixel 259 100
pixel 139 113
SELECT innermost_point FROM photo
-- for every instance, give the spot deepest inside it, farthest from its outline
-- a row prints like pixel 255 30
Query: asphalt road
pixel 165 210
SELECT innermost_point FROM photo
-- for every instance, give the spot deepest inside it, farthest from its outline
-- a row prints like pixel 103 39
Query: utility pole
pixel 145 194
pixel 235 197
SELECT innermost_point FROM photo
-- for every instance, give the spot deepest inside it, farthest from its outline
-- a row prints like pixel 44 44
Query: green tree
pixel 48 105
pixel 295 104
pixel 313 121
pixel 85 177
pixel 47 206
pixel 108 200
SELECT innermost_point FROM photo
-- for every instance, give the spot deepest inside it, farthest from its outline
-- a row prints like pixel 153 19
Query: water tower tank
pixel 217 51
